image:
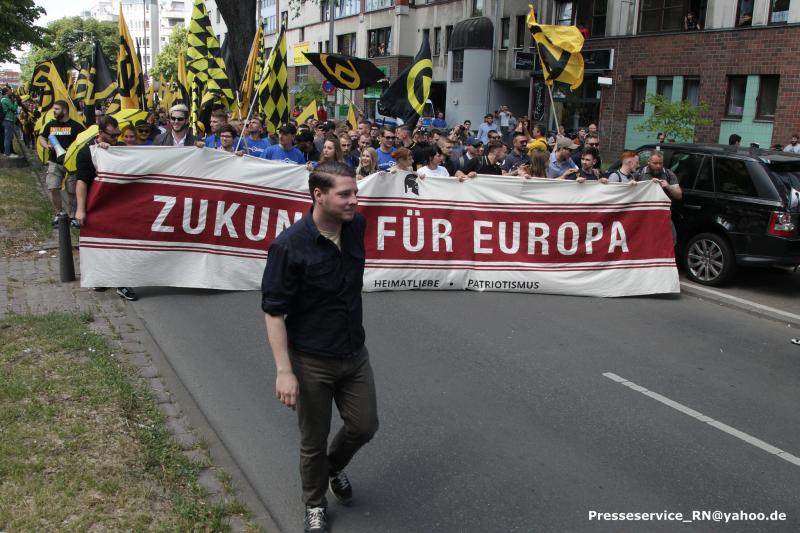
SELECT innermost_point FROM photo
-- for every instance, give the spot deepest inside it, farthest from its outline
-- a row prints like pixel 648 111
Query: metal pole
pixel 144 34
pixel 66 266
pixel 331 49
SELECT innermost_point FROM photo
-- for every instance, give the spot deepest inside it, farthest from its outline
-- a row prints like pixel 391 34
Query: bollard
pixel 65 264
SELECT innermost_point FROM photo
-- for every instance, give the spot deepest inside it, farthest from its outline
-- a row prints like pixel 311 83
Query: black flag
pixel 405 98
pixel 346 72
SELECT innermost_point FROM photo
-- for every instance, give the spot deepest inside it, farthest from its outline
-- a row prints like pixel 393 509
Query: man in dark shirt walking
pixel 312 299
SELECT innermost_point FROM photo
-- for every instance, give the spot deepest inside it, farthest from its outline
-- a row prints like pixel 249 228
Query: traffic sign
pixel 328 87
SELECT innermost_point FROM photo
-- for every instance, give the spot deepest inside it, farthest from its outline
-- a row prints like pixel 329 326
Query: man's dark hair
pixel 105 121
pixel 520 134
pixel 592 151
pixel 61 103
pixel 734 139
pixel 407 128
pixel 592 136
pixel 220 113
pixel 492 146
pixel 384 129
pixel 367 122
pixel 426 153
pixel 322 177
pixel 487 115
pixel 228 128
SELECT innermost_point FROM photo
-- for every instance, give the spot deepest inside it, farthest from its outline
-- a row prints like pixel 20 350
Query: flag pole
pixel 550 91
pixel 360 111
pixel 255 97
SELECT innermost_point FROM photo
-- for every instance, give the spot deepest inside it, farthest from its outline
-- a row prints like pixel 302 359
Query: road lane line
pixel 741 435
pixel 719 294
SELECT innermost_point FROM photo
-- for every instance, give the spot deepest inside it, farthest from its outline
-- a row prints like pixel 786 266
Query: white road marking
pixel 758 443
pixel 743 301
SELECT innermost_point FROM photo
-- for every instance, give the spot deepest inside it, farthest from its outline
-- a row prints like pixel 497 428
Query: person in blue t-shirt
pixel 385 159
pixel 439 122
pixel 219 118
pixel 285 150
pixel 254 144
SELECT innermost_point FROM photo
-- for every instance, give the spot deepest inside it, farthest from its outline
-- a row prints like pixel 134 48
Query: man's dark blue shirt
pixel 317 287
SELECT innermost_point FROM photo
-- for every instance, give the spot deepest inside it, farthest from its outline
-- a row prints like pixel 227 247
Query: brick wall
pixel 711 56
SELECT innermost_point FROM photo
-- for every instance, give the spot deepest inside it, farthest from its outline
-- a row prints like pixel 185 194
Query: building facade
pixel 150 23
pixel 102 11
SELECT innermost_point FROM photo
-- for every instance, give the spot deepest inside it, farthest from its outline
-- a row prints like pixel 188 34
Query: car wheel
pixel 709 259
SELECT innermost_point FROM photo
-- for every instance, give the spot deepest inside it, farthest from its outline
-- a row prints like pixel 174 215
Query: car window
pixel 788 176
pixel 685 166
pixel 705 177
pixel 733 177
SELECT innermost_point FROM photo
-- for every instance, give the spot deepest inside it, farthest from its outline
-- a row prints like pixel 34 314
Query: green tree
pixel 167 58
pixel 76 37
pixel 677 120
pixel 310 89
pixel 18 28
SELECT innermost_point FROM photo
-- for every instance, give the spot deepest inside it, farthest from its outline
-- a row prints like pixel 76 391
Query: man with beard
pixel 655 171
pixel 65 130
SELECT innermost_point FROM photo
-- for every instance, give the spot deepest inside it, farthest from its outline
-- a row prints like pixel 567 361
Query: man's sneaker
pixel 99 289
pixel 14 156
pixel 316 520
pixel 55 219
pixel 74 223
pixel 127 293
pixel 340 487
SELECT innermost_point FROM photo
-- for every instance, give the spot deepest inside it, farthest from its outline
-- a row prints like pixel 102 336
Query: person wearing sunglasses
pixel 590 141
pixel 142 133
pixel 385 159
pixel 179 135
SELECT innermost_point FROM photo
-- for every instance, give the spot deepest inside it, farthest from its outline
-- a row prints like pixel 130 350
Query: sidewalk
pixel 30 284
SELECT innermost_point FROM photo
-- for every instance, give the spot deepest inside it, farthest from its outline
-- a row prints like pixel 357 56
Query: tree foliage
pixel 167 58
pixel 76 37
pixel 310 89
pixel 677 120
pixel 18 26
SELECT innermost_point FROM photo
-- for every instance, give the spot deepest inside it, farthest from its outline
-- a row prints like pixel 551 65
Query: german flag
pixel 273 91
pixel 405 98
pixel 559 50
pixel 129 70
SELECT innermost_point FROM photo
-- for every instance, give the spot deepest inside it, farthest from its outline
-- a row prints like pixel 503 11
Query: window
pixel 380 42
pixel 346 44
pixel 733 177
pixel 734 106
pixel 302 35
pixel 590 17
pixel 448 32
pixel 685 167
pixel 564 13
pixel 300 74
pixel 638 95
pixel 767 97
pixel 477 8
pixel 661 15
pixel 284 19
pixel 346 8
pixel 505 29
pixel 744 13
pixel 458 65
pixel 270 16
pixel 664 88
pixel 426 35
pixel 372 5
pixel 778 11
pixel 691 90
pixel 437 41
pixel 522 29
pixel 705 178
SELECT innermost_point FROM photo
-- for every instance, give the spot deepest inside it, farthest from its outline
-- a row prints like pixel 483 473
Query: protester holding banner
pixel 285 150
pixel 404 161
pixel 143 130
pixel 433 157
pixel 349 154
pixel 561 163
pixel 627 172
pixel 254 142
pixel 227 133
pixel 489 163
pixel 128 136
pixel 179 135
pixel 108 133
pixel 218 119
pixel 311 297
pixel 58 135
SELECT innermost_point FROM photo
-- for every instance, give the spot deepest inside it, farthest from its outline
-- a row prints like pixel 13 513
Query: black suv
pixel 740 207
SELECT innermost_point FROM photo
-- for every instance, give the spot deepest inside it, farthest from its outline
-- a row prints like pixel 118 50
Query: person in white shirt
pixel 433 156
pixel 794 147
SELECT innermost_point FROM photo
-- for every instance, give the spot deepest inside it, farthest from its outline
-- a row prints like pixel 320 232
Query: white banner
pixel 202 218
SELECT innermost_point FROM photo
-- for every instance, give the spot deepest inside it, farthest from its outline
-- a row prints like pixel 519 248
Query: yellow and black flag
pixel 129 70
pixel 273 92
pixel 206 65
pixel 182 94
pixel 252 72
pixel 48 84
pixel 101 80
pixel 406 96
pixel 82 83
pixel 559 50
pixel 346 72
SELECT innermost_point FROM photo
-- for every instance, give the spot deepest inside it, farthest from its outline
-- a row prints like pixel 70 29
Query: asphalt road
pixel 496 414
